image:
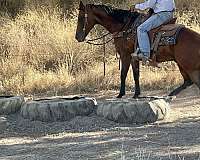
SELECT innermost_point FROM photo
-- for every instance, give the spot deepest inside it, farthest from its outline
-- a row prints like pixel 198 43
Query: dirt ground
pixel 94 138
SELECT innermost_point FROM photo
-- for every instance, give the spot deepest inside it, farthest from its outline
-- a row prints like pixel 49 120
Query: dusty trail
pixel 96 138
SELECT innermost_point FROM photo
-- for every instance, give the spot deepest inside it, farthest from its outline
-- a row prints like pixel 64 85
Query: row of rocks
pixel 66 108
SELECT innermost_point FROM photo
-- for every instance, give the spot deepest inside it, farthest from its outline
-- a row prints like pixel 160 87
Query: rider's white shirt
pixel 157 5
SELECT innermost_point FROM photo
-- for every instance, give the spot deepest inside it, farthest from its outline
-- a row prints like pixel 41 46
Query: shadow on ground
pixel 96 138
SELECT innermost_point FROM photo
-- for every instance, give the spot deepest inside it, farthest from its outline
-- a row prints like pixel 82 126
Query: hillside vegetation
pixel 39 54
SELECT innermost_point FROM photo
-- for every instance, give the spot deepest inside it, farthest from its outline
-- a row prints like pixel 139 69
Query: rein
pixel 90 41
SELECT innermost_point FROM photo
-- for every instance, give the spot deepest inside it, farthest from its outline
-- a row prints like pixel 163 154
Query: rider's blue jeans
pixel 153 22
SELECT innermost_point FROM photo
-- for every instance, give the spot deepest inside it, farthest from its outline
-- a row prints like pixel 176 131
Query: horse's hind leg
pixel 195 76
pixel 187 82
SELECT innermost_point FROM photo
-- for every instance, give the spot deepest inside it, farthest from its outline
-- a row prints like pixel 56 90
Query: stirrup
pixel 145 60
pixel 142 56
pixel 135 54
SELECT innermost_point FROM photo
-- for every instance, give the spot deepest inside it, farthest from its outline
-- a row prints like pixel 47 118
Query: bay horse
pixel 186 53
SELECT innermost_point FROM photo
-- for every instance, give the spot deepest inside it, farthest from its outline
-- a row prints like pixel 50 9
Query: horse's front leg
pixel 126 59
pixel 136 75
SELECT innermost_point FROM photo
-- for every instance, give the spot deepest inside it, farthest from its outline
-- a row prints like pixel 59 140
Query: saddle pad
pixel 166 35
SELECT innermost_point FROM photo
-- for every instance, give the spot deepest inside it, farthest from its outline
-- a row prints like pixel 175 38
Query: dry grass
pixel 40 55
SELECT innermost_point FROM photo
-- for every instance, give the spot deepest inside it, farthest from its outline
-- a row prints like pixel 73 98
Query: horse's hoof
pixel 170 98
pixel 136 96
pixel 120 96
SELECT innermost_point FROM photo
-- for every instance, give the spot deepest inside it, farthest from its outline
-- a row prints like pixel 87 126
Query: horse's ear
pixel 81 6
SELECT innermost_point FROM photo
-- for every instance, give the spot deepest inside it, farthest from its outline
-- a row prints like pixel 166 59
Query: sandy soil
pixel 177 138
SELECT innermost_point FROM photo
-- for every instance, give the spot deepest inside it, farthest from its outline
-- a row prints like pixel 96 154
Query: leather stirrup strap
pixel 136 43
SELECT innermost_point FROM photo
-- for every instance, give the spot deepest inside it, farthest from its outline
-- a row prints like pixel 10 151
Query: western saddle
pixel 164 35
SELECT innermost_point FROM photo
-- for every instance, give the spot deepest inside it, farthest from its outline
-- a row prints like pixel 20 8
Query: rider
pixel 163 12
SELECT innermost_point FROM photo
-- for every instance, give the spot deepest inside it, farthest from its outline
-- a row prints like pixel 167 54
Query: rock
pixel 3 123
pixel 134 111
pixel 10 104
pixel 57 109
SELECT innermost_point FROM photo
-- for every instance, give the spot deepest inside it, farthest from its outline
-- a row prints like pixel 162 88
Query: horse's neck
pixel 109 24
pixel 113 26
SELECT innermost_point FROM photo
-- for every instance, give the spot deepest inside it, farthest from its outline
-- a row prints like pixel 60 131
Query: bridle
pixel 90 41
pixel 85 21
pixel 114 35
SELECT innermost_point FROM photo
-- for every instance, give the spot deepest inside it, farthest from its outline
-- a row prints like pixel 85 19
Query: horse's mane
pixel 120 15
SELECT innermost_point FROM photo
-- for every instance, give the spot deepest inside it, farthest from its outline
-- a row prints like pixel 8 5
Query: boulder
pixel 58 109
pixel 3 123
pixel 134 111
pixel 10 104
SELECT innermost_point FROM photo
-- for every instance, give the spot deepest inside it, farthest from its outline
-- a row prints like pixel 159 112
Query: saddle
pixel 164 35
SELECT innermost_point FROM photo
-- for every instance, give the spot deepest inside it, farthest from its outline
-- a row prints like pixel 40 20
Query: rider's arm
pixel 146 5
